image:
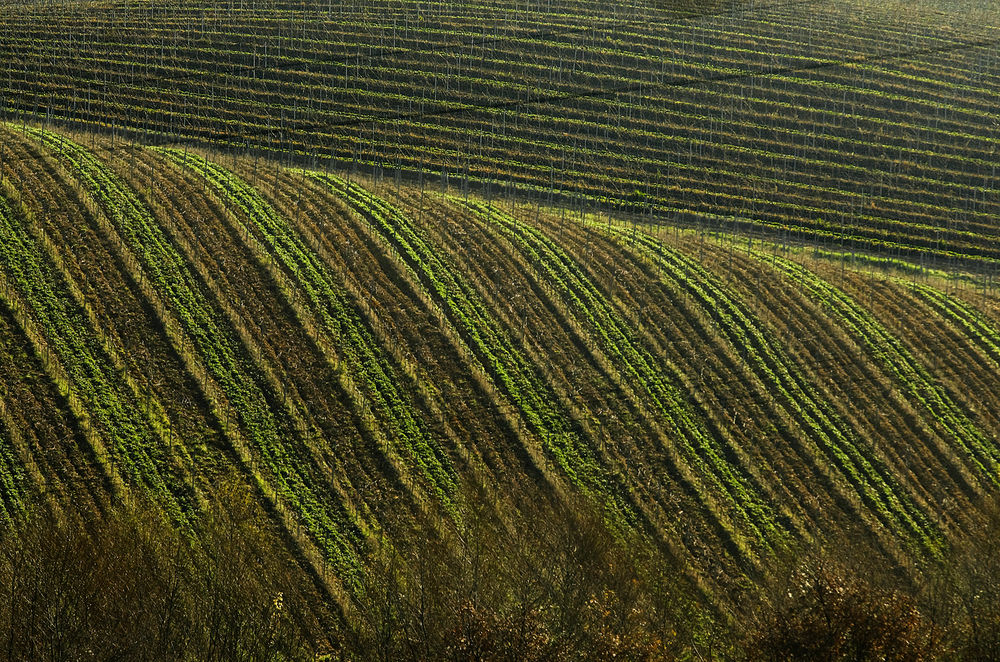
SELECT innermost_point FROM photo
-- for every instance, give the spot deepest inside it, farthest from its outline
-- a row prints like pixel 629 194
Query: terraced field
pixel 359 350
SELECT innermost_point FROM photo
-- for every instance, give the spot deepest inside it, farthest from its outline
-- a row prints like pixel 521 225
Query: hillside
pixel 359 349
pixel 663 296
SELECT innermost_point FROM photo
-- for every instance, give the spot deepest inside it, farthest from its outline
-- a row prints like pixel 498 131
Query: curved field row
pixel 975 325
pixel 676 332
pixel 128 441
pixel 956 335
pixel 634 437
pixel 778 432
pixel 386 407
pixel 907 370
pixel 494 349
pixel 660 383
pixel 899 430
pixel 363 351
pixel 480 426
pixel 279 349
pixel 837 444
pixel 664 492
pixel 225 360
pixel 69 224
pixel 46 455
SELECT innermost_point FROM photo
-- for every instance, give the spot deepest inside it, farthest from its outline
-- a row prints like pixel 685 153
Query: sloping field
pixel 871 127
pixel 715 280
pixel 359 351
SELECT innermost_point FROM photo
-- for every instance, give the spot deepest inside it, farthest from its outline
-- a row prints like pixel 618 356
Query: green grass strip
pixel 766 357
pixel 503 360
pixel 648 374
pixel 888 352
pixel 133 443
pixel 13 480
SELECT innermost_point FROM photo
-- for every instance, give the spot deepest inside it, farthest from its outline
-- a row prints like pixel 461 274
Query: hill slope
pixel 360 351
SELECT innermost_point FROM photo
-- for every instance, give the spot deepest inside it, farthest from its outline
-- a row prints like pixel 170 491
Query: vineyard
pixel 869 127
pixel 723 273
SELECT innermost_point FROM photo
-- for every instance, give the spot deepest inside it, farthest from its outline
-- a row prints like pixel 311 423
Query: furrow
pixel 837 443
pixel 508 367
pixel 45 432
pixel 411 327
pixel 287 363
pixel 606 328
pixel 857 389
pixel 556 351
pixel 91 360
pixel 719 339
pixel 910 374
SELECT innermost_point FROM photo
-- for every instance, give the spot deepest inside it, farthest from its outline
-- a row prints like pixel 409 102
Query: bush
pixel 567 587
pixel 131 586
pixel 822 612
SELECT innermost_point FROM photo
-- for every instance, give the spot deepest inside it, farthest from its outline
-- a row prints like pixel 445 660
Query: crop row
pixel 34 287
pixel 910 373
pixel 867 398
pixel 837 444
pixel 224 359
pixel 220 102
pixel 659 382
pixel 837 230
pixel 681 133
pixel 358 349
pixel 973 322
pixel 13 485
pixel 490 343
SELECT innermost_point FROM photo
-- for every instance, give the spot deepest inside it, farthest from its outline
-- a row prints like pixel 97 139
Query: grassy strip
pixel 19 466
pixel 34 280
pixel 490 343
pixel 964 316
pixel 767 359
pixel 659 382
pixel 13 478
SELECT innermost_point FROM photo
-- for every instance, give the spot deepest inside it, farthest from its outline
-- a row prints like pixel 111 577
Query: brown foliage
pixel 851 606
pixel 556 584
pixel 560 585
pixel 962 592
pixel 823 613
pixel 132 586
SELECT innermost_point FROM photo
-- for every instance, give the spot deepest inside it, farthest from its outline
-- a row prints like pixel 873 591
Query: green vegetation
pixel 716 475
pixel 508 367
pixel 607 328
pixel 766 359
pixel 367 363
pixel 34 289
pixel 910 373
pixel 218 346
pixel 837 121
